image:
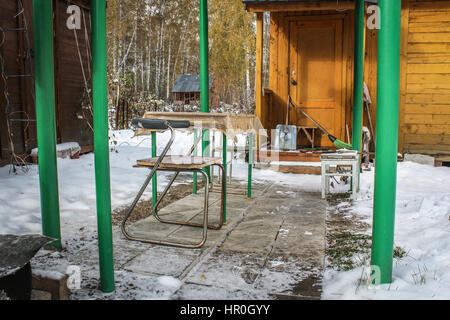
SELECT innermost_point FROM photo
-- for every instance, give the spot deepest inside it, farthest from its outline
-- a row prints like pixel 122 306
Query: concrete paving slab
pixel 254 235
pixel 161 260
pixel 228 270
pixel 191 291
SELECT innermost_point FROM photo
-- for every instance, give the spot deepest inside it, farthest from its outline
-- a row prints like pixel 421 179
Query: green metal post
pixel 225 165
pixel 389 37
pixel 250 165
pixel 46 120
pixel 155 178
pixel 204 74
pixel 101 144
pixel 358 76
pixel 358 79
pixel 195 154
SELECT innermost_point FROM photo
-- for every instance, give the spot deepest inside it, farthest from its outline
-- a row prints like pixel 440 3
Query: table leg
pixel 323 180
pixel 250 165
pixel 195 191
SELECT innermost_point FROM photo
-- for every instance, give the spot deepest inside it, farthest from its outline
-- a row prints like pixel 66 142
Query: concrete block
pixel 38 295
pixel 53 282
pixel 420 158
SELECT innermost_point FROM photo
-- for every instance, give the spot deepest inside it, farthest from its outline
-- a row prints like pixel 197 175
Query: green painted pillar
pixel 389 37
pixel 204 74
pixel 155 178
pixel 250 165
pixel 225 165
pixel 101 144
pixel 358 76
pixel 46 119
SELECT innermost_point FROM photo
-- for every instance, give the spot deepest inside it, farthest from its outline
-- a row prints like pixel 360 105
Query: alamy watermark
pixel 74 20
pixel 74 279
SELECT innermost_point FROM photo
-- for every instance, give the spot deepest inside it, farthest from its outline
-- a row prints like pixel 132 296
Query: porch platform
pixel 302 161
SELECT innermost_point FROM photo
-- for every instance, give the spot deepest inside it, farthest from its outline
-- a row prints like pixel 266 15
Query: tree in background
pixel 152 42
pixel 232 55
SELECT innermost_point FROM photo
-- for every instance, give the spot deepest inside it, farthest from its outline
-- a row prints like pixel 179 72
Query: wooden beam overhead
pixel 299 6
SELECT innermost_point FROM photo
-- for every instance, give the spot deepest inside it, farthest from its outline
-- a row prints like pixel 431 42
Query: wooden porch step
pixel 312 170
pixel 291 156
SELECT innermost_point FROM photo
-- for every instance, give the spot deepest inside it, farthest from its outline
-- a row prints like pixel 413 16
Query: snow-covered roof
pixel 189 83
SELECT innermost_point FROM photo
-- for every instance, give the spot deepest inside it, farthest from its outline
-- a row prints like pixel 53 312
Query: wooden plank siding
pixel 425 125
pixel 69 82
pixel 19 92
pixel 70 85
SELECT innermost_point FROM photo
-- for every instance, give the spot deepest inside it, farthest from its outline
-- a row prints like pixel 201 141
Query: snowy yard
pixel 422 220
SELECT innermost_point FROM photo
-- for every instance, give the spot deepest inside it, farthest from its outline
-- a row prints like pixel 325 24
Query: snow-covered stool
pixel 64 150
pixel 342 164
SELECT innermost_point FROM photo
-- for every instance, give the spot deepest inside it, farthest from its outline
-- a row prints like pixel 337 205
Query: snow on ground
pixel 20 198
pixel 422 221
pixel 422 229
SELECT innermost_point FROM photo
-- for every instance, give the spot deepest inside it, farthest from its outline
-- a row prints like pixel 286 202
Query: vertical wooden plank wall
pixel 69 76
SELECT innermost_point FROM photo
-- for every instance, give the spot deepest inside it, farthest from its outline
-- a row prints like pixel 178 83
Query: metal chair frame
pixel 177 171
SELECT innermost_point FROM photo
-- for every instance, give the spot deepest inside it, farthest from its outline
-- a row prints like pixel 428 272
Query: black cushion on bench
pixel 160 124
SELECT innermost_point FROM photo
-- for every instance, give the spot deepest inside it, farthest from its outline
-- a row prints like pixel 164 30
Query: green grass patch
pixel 347 251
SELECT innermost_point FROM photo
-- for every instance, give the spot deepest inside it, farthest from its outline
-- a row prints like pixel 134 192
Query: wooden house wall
pixel 19 90
pixel 425 116
pixel 69 80
pixel 425 73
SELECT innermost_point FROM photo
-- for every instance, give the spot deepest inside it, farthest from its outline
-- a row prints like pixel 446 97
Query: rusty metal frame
pixel 177 171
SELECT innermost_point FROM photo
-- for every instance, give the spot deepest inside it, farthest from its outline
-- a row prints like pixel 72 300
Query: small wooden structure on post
pixel 187 90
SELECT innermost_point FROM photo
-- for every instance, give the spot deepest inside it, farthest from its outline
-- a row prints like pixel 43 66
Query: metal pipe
pixel 358 76
pixel 389 37
pixel 250 165
pixel 204 73
pixel 167 243
pixel 101 144
pixel 149 178
pixel 192 224
pixel 224 173
pixel 155 176
pixel 46 119
pixel 196 138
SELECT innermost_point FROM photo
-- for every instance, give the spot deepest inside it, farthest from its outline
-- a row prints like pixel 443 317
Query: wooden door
pixel 316 70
